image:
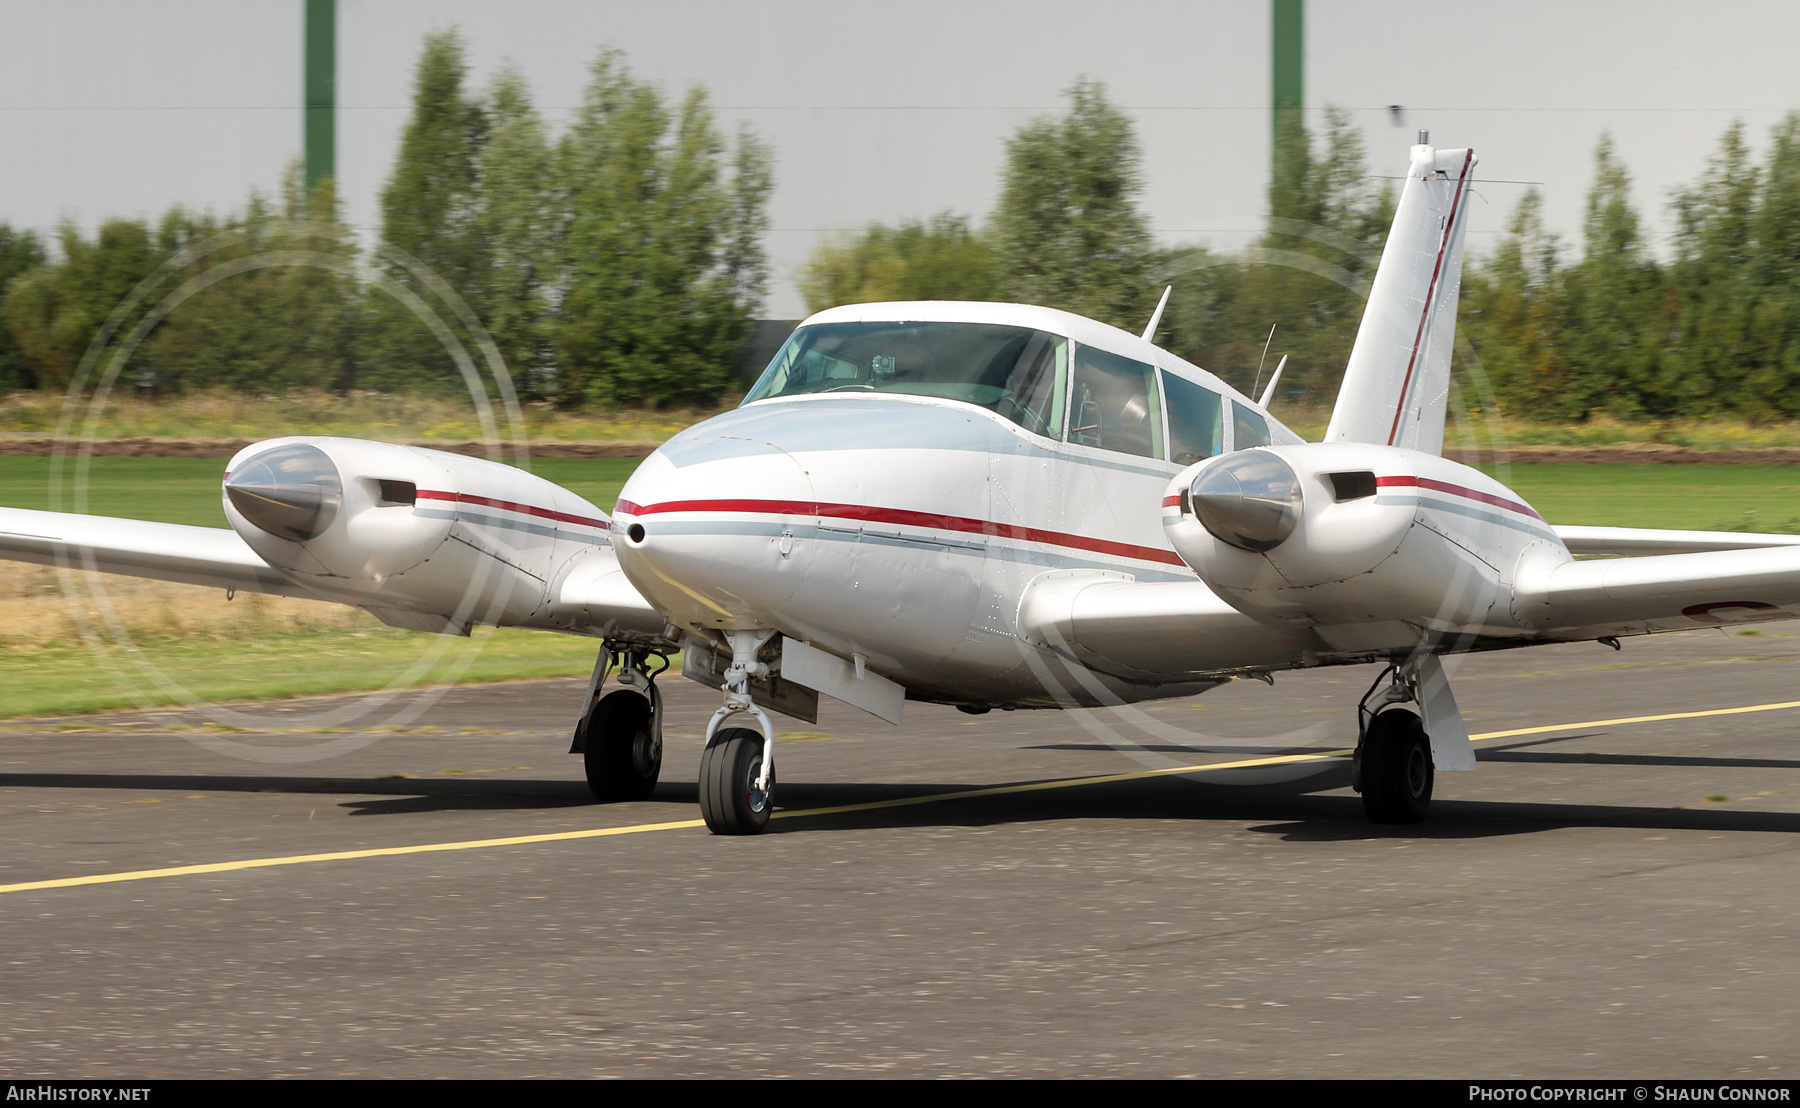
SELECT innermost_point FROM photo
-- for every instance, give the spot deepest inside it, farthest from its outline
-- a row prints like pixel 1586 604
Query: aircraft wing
pixel 1637 541
pixel 593 597
pixel 1667 592
pixel 1148 631
pixel 212 556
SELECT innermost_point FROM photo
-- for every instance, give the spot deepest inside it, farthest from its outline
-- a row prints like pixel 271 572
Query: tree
pixel 55 310
pixel 1774 264
pixel 1327 223
pixel 1715 355
pixel 938 259
pixel 663 263
pixel 430 210
pixel 518 216
pixel 20 252
pixel 1068 232
pixel 283 315
pixel 1512 312
pixel 1618 322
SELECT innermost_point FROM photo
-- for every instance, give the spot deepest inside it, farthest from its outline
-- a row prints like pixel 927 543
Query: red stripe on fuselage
pixel 904 518
pixel 1459 490
pixel 512 506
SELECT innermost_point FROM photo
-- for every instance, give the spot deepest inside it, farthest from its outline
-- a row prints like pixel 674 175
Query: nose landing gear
pixel 737 769
pixel 1393 767
pixel 619 736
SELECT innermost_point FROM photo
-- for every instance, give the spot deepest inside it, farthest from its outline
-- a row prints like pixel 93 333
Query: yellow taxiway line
pixel 866 806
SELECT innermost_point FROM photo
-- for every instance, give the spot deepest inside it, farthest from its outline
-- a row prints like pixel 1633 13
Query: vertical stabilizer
pixel 1398 378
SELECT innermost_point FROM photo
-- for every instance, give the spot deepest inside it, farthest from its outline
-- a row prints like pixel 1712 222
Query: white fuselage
pixel 904 529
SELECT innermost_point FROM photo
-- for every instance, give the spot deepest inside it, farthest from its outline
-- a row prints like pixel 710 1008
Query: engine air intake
pixel 1352 486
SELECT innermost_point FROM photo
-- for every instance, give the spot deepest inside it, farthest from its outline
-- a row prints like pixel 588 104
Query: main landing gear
pixel 1392 768
pixel 737 769
pixel 619 735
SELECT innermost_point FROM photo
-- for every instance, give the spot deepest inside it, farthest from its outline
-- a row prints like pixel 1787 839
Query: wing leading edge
pixel 1638 541
pixel 210 556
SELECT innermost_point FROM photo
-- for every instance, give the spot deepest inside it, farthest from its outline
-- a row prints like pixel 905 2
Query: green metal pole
pixel 321 90
pixel 1287 62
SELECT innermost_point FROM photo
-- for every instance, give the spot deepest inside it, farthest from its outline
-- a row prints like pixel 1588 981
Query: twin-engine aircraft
pixel 985 505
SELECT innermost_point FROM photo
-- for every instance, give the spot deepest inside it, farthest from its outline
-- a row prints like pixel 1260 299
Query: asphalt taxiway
pixel 1615 892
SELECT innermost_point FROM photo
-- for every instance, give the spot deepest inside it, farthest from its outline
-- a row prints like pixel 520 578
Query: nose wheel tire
pixel 620 749
pixel 730 802
pixel 1396 768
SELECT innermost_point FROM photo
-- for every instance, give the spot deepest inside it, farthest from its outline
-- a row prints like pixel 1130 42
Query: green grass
pixel 68 679
pixel 1708 498
pixel 74 681
pixel 186 490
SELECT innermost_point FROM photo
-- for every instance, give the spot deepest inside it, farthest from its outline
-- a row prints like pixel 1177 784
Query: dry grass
pixel 39 611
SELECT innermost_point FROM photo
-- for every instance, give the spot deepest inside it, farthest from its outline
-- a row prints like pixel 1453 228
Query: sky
pixel 894 109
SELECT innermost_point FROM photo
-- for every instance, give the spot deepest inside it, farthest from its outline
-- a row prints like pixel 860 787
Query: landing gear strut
pixel 1393 768
pixel 619 735
pixel 737 769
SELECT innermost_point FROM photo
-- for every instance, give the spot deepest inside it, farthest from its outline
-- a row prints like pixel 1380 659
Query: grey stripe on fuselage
pixel 1471 512
pixel 1020 555
pixel 513 526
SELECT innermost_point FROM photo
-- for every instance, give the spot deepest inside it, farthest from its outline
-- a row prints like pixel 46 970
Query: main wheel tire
pixel 1397 770
pixel 729 799
pixel 620 748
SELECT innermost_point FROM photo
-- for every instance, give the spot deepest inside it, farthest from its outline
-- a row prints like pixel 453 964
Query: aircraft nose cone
pixel 1249 500
pixel 292 491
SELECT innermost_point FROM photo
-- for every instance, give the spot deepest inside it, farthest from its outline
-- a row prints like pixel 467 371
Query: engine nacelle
pixel 1369 545
pixel 423 539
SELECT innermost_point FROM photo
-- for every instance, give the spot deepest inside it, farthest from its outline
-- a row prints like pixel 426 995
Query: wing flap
pixel 209 556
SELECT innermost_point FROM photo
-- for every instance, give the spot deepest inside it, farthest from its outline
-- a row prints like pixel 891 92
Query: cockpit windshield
pixel 1013 371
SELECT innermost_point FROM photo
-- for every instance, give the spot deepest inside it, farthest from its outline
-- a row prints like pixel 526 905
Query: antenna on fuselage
pixel 1269 393
pixel 1156 316
pixel 1264 358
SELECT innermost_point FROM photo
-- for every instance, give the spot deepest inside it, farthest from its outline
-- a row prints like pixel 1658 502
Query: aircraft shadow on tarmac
pixel 1313 806
pixel 1307 810
pixel 1520 752
pixel 409 794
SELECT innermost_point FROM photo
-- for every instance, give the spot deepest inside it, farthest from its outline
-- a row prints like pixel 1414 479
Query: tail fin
pixel 1398 378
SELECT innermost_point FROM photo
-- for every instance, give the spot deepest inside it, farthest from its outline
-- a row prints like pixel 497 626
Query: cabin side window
pixel 1247 428
pixel 1113 404
pixel 1196 420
